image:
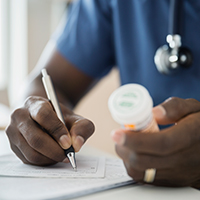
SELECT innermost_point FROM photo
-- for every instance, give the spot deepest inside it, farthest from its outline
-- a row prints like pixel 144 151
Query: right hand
pixel 38 137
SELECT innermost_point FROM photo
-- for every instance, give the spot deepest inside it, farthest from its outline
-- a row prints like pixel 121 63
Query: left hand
pixel 174 152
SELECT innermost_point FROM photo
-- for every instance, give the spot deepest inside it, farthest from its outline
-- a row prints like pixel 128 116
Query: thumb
pixel 174 109
pixel 80 131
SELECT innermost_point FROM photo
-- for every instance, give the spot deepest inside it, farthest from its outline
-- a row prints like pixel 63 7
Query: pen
pixel 48 86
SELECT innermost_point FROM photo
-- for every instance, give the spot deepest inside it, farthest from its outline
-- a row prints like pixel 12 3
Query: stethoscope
pixel 172 57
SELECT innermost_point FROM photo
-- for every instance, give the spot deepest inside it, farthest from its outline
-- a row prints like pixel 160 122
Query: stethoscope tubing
pixel 175 16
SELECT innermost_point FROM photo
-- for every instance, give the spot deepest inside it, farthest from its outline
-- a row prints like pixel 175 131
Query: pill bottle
pixel 131 106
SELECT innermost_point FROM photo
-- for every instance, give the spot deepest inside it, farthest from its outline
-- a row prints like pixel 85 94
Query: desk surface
pixel 130 192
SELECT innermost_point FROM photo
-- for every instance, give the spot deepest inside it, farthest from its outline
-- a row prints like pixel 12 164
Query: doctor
pixel 99 35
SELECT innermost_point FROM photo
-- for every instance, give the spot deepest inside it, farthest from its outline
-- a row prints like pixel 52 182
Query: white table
pixel 130 192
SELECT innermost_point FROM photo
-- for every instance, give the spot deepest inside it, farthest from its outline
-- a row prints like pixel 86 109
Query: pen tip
pixel 72 160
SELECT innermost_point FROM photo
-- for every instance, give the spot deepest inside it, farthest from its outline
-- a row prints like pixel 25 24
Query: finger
pixel 28 133
pixel 163 177
pixel 174 109
pixel 81 130
pixel 177 177
pixel 32 156
pixel 29 155
pixel 124 154
pixel 42 162
pixel 40 141
pixel 42 112
pixel 135 174
pixel 174 161
pixel 166 178
pixel 167 141
pixel 141 162
pixel 132 165
pixel 170 171
pixel 171 178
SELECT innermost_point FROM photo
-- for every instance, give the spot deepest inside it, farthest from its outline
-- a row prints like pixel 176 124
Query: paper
pixel 61 188
pixel 93 167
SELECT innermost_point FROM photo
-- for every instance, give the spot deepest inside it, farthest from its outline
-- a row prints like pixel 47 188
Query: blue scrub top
pixel 101 34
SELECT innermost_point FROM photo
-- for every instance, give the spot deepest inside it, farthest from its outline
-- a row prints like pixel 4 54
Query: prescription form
pixel 98 174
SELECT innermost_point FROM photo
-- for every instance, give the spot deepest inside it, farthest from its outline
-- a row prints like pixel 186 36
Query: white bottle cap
pixel 131 104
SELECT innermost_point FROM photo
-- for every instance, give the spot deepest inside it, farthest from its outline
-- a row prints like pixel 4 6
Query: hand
pixel 38 137
pixel 174 152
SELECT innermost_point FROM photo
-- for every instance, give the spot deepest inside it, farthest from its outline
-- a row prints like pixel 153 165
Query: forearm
pixel 70 83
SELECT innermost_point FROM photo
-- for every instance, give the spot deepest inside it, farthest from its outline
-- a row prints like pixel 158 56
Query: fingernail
pixel 159 111
pixel 78 143
pixel 118 137
pixel 66 160
pixel 65 141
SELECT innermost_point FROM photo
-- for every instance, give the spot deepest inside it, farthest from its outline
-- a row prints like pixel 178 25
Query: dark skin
pixel 174 151
pixel 31 137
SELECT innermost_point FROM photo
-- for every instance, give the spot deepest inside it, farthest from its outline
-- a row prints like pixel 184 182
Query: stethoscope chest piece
pixel 170 58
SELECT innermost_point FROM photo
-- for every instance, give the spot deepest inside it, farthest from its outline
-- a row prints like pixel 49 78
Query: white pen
pixel 48 86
